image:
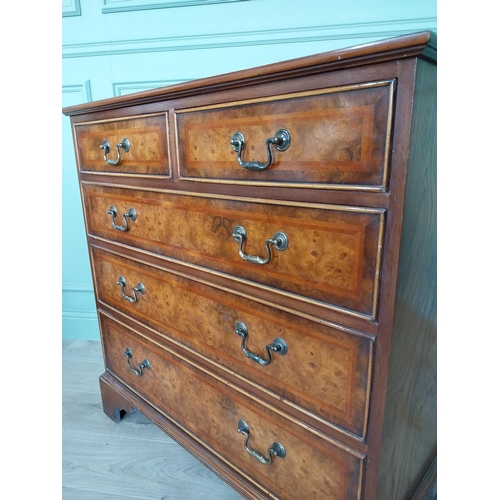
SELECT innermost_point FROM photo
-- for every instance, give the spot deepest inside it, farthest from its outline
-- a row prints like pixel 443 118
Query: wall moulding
pixel 123 88
pixel 112 6
pixel 77 287
pixel 71 8
pixel 354 31
pixel 83 90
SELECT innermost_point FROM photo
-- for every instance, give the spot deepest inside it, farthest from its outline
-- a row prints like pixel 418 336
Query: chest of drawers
pixel 263 250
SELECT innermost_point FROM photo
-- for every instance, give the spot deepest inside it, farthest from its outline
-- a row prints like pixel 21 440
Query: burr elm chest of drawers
pixel 263 249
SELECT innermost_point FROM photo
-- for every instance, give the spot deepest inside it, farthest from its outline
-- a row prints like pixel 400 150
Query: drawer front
pixel 324 370
pixel 332 257
pixel 211 410
pixel 338 138
pixel 147 154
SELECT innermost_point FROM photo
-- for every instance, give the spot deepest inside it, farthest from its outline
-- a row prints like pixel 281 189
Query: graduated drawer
pixel 332 257
pixel 325 372
pixel 210 410
pixel 338 138
pixel 148 146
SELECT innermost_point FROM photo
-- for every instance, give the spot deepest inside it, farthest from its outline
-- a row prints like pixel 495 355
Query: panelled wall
pixel 115 47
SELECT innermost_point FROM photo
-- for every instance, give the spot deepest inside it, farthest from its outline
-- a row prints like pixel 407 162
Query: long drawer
pixel 303 463
pixel 329 138
pixel 322 371
pixel 326 254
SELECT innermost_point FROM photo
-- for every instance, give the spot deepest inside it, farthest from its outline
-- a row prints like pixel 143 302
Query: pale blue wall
pixel 110 51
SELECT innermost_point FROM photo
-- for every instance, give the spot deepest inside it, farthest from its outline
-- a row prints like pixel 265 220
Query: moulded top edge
pixel 422 43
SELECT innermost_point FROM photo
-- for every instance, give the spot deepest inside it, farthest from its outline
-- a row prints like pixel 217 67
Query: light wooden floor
pixel 130 460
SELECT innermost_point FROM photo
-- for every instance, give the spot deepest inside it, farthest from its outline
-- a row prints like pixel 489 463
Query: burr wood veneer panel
pixel 148 154
pixel 337 136
pixel 332 256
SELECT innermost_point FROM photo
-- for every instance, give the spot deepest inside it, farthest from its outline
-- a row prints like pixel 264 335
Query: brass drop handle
pixel 281 142
pixel 278 241
pixel 145 364
pixel 278 346
pixel 138 288
pixel 125 145
pixel 276 449
pixel 131 214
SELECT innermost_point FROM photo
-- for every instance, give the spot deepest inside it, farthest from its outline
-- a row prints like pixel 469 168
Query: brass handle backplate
pixel 131 214
pixel 281 142
pixel 145 364
pixel 139 288
pixel 278 346
pixel 105 146
pixel 278 241
pixel 276 449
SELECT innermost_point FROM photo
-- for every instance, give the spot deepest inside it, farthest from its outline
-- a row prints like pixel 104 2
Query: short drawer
pixel 332 255
pixel 134 145
pixel 320 371
pixel 330 138
pixel 312 466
